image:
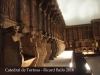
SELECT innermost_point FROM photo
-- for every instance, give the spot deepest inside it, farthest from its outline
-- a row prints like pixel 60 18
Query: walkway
pixel 63 60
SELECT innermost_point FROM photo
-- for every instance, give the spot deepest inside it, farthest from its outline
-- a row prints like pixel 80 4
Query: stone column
pixel 40 15
pixel 53 47
pixel 48 49
pixel 42 53
pixel 44 45
pixel 12 57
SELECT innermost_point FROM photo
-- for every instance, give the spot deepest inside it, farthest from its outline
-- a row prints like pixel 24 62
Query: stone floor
pixel 61 60
pixel 58 62
pixel 94 63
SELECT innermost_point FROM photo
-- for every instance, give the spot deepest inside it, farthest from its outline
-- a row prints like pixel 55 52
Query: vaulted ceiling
pixel 79 11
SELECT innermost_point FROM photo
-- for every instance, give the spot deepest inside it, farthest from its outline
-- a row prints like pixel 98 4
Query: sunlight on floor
pixel 63 60
pixel 66 54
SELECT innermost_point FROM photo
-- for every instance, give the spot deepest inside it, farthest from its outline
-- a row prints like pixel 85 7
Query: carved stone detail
pixel 49 51
pixel 8 23
pixel 42 53
pixel 60 46
pixel 5 22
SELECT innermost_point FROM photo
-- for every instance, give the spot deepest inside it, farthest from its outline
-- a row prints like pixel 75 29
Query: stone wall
pixel 24 25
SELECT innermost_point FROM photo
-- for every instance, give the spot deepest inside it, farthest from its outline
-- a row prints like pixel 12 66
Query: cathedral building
pixel 33 33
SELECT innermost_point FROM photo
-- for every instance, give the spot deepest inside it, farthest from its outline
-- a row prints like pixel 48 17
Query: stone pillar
pixel 12 57
pixel 40 15
pixel 61 47
pixel 42 53
pixel 57 45
pixel 29 49
pixel 49 51
pixel 53 47
pixel 44 45
pixel 34 14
